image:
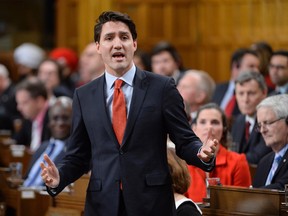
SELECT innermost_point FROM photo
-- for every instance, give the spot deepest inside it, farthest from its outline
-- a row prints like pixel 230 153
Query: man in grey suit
pixel 129 176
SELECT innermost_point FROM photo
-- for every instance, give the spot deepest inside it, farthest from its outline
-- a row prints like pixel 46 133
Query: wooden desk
pixel 7 157
pixel 26 203
pixel 23 202
pixel 74 199
pixel 226 201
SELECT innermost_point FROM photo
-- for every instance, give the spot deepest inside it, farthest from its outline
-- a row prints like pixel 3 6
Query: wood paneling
pixel 205 32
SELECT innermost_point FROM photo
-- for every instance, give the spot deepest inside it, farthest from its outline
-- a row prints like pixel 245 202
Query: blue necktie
pixel 37 173
pixel 273 169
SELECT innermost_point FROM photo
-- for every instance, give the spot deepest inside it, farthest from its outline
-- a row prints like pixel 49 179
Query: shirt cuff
pixel 210 162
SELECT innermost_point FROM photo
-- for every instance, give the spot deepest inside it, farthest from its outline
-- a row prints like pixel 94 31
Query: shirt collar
pixel 250 119
pixel 282 151
pixel 40 117
pixel 282 89
pixel 57 142
pixel 127 77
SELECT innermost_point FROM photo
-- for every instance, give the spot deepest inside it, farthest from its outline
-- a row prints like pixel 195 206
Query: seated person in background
pixel 264 51
pixel 91 65
pixel 242 59
pixel 272 170
pixel 59 123
pixel 166 61
pixel 68 59
pixel 27 58
pixel 142 60
pixel 232 168
pixel 250 90
pixel 50 73
pixel 278 71
pixel 180 183
pixel 8 106
pixel 32 102
pixel 196 87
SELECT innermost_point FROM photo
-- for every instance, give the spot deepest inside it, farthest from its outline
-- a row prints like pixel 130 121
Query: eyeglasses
pixel 277 67
pixel 267 124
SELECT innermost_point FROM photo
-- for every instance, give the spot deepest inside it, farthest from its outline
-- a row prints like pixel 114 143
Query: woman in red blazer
pixel 232 168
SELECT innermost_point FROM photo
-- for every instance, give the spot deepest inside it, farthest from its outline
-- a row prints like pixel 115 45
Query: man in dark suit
pixel 8 106
pixel 129 172
pixel 241 60
pixel 272 170
pixel 278 71
pixel 31 98
pixel 165 60
pixel 250 90
pixel 60 116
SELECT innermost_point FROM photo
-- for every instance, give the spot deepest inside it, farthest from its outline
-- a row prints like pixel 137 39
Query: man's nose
pixel 117 42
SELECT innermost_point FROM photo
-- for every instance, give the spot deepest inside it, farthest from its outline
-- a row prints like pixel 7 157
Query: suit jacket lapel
pixel 99 92
pixel 241 134
pixel 139 91
pixel 282 163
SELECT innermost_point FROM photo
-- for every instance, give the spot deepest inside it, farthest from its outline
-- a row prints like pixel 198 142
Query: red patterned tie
pixel 119 111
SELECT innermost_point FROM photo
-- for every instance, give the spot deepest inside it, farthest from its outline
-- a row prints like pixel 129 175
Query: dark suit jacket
pixel 219 94
pixel 8 109
pixel 38 153
pixel 256 148
pixel 280 177
pixel 140 163
pixel 24 135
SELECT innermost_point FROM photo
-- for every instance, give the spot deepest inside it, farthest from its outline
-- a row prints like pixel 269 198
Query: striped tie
pixel 273 169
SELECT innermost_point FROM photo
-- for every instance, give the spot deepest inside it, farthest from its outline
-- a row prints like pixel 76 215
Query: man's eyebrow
pixel 124 32
pixel 109 34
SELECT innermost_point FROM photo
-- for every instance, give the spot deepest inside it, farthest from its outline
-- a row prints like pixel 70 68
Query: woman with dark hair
pixel 180 183
pixel 232 168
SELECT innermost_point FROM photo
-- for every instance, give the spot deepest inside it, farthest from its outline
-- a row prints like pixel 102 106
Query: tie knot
pixel 278 159
pixel 118 83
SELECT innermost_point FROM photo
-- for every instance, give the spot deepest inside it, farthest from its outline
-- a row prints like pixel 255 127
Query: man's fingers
pixel 48 160
pixel 208 136
pixel 42 165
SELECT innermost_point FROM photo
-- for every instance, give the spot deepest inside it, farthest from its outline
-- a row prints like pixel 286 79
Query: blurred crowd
pixel 248 113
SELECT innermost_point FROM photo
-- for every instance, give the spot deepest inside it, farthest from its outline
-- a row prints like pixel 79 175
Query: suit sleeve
pixel 186 142
pixel 77 159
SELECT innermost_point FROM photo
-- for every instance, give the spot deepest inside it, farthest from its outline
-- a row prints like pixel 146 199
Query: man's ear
pixel 98 47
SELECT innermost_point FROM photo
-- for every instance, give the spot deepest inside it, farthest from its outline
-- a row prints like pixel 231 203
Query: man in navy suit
pixel 60 116
pixel 128 177
pixel 272 170
pixel 278 71
pixel 250 90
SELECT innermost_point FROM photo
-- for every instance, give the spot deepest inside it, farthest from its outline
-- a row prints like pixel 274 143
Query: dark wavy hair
pixel 113 16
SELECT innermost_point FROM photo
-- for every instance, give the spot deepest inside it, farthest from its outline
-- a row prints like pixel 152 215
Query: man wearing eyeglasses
pixel 278 71
pixel 272 170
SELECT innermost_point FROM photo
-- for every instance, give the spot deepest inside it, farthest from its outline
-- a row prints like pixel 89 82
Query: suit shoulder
pixel 91 85
pixel 266 157
pixel 156 78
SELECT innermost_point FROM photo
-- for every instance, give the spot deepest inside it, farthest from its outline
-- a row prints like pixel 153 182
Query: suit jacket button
pixel 121 152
